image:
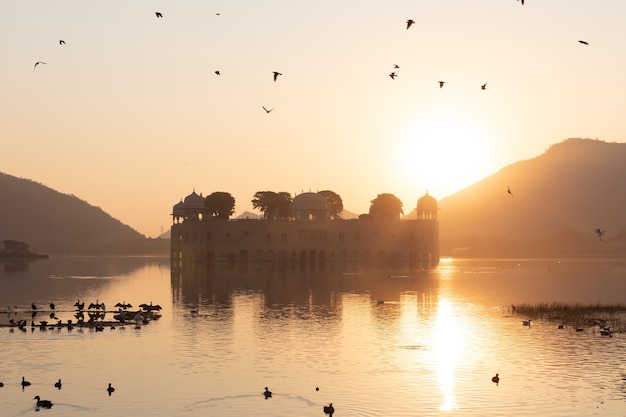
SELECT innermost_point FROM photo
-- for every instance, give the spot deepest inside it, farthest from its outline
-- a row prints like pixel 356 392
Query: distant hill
pixel 55 223
pixel 558 199
pixel 248 215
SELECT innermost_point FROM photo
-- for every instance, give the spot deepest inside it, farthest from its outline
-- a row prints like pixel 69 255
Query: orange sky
pixel 129 115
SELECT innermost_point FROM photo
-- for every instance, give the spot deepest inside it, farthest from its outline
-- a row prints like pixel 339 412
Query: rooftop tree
pixel 386 206
pixel 335 203
pixel 274 206
pixel 221 205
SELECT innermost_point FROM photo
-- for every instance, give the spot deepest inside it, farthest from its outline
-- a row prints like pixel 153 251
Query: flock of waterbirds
pixel 92 318
pixel 96 313
pixel 328 409
pixel 47 403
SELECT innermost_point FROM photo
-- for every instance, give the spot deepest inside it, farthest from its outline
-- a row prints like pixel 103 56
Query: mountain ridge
pixel 53 222
pixel 573 188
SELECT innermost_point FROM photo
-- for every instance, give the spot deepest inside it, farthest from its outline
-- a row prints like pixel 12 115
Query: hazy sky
pixel 129 115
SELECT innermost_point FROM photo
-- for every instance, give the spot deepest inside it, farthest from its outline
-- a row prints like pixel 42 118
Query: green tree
pixel 221 205
pixel 273 205
pixel 335 203
pixel 386 206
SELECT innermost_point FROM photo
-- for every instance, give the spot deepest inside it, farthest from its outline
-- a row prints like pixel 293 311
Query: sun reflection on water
pixel 448 343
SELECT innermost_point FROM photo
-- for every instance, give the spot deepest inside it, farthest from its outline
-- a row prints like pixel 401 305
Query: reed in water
pixel 575 315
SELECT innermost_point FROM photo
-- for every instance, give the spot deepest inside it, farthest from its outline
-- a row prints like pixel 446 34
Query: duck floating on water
pixel 267 393
pixel 25 383
pixel 43 403
pixel 329 409
pixel 58 384
pixel 110 389
pixel 496 379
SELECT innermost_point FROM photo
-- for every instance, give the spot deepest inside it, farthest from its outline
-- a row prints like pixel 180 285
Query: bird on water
pixel 43 403
pixel 267 393
pixel 496 379
pixel 25 383
pixel 58 384
pixel 329 409
pixel 599 233
pixel 110 389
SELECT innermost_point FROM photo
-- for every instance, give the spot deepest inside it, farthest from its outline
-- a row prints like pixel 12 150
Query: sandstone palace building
pixel 310 235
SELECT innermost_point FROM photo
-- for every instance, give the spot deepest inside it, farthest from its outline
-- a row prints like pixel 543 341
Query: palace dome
pixel 309 201
pixel 427 202
pixel 194 200
pixel 179 208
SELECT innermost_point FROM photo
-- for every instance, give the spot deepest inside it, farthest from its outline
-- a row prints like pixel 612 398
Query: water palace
pixel 310 235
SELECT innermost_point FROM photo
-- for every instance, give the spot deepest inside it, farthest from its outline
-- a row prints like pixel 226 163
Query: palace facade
pixel 310 235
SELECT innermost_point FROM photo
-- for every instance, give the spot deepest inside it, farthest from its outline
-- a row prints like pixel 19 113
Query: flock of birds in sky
pixel 276 74
pixel 393 75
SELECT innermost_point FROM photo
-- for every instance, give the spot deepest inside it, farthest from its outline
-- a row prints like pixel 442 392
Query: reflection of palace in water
pixel 310 235
pixel 297 284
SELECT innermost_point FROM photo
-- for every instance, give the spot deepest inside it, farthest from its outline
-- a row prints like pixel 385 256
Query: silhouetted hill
pixel 558 199
pixel 55 223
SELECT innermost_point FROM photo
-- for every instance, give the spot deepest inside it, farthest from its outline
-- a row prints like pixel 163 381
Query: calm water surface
pixel 430 349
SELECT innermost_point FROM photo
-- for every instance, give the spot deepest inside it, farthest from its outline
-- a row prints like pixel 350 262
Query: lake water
pixel 429 349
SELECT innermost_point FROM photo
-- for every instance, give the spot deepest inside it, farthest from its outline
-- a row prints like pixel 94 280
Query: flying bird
pixel 276 74
pixel 584 42
pixel 396 66
pixel 599 233
pixel 409 23
pixel 158 14
pixel 484 86
pixel 217 72
pixel 522 2
pixel 266 110
pixel 508 190
pixel 393 75
pixel 441 83
pixel 37 63
pixel 61 42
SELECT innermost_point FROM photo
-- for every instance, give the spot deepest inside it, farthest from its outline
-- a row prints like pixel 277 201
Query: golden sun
pixel 444 154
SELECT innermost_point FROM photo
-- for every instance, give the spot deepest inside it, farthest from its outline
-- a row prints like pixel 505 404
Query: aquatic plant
pixel 575 315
